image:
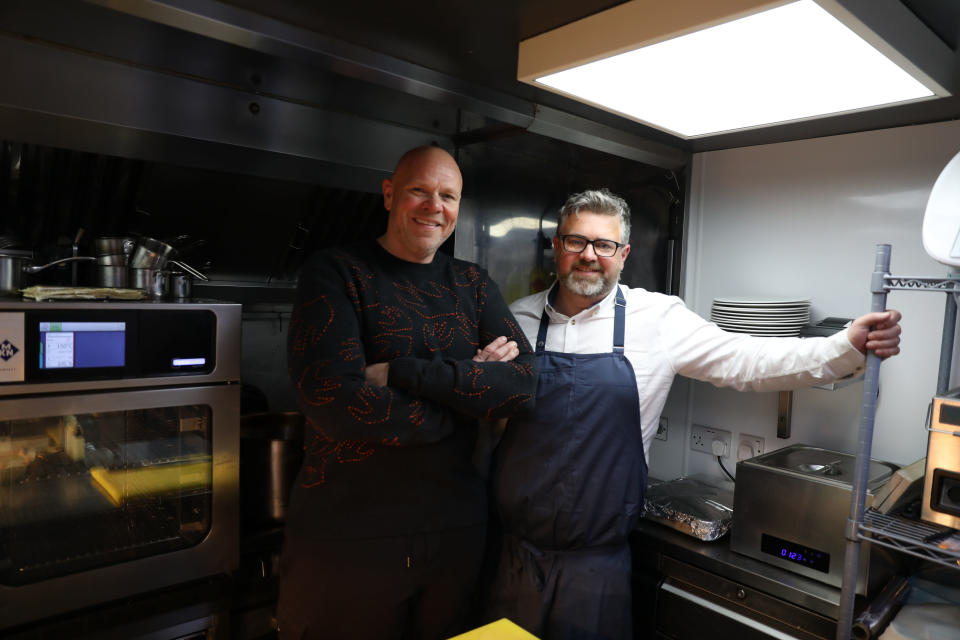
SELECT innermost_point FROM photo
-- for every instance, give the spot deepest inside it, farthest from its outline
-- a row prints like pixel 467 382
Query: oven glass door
pixel 83 487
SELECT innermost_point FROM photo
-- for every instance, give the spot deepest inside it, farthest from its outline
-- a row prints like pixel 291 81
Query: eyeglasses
pixel 603 248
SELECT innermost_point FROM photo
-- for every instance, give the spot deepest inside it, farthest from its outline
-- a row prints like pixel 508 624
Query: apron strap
pixel 619 324
pixel 619 321
pixel 542 332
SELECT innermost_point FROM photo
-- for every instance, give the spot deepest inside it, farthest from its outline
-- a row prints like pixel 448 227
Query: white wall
pixel 803 219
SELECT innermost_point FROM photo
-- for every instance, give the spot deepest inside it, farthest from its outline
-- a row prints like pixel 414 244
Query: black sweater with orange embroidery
pixel 397 459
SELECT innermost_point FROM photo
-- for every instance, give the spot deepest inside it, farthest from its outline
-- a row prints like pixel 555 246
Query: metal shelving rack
pixel 913 538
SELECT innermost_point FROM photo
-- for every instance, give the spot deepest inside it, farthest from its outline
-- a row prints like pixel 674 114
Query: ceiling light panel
pixel 792 62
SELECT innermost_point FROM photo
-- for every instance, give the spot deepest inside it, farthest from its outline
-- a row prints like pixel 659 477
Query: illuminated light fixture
pixel 698 68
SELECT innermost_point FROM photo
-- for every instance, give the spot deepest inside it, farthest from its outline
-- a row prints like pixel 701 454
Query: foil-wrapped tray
pixel 699 506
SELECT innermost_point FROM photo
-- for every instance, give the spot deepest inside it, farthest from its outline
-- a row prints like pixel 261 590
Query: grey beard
pixel 590 289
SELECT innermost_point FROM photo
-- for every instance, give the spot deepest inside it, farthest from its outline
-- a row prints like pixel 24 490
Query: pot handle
pixel 190 270
pixel 37 269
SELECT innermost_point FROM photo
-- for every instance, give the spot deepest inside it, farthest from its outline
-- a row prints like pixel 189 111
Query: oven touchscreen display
pixel 82 345
pixel 796 553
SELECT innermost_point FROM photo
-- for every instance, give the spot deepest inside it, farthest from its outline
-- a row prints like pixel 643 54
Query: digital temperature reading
pixel 76 345
pixel 794 552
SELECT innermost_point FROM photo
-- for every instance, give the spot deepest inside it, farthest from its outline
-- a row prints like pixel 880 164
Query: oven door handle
pixel 727 613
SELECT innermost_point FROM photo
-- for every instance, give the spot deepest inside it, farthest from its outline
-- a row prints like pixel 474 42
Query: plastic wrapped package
pixel 699 506
pixel 931 607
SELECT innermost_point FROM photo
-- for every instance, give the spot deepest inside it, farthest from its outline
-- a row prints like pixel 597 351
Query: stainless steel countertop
pixel 716 557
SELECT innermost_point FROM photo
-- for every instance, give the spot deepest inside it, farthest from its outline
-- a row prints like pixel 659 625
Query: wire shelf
pixel 909 536
pixel 950 284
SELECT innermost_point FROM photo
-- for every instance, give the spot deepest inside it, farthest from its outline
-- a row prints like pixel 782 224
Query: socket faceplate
pixel 749 446
pixel 702 439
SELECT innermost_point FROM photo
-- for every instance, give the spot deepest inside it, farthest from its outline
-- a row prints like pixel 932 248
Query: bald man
pixel 395 351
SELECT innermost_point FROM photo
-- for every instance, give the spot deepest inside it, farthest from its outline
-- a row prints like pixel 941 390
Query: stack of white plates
pixel 782 317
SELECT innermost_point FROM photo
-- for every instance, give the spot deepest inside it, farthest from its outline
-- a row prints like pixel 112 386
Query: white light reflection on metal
pixel 504 227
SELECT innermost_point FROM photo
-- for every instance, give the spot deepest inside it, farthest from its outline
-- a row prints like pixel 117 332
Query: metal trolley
pixel 905 536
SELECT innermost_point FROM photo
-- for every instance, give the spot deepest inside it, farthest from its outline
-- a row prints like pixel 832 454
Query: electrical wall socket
pixel 703 438
pixel 749 446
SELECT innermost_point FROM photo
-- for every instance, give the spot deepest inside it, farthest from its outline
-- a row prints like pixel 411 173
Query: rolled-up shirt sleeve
pixel 700 350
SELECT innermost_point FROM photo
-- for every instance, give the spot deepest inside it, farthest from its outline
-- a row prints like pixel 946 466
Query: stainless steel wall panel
pixel 98 90
pixel 514 188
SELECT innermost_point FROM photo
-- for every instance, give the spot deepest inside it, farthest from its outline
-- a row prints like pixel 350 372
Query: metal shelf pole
pixel 868 412
pixel 946 345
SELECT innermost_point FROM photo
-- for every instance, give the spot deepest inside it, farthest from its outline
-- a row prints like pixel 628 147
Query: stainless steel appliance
pixel 941 482
pixel 119 451
pixel 791 508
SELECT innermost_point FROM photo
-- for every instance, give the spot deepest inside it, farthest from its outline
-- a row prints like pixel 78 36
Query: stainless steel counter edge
pixel 716 557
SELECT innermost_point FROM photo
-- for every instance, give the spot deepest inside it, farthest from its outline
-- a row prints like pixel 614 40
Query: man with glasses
pixel 569 480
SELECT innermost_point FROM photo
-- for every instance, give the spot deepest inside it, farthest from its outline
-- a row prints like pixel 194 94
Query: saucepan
pixel 113 251
pixel 111 275
pixel 163 283
pixel 114 245
pixel 153 281
pixel 151 254
pixel 14 263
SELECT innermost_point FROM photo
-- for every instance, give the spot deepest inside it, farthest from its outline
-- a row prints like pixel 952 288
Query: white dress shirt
pixel 664 338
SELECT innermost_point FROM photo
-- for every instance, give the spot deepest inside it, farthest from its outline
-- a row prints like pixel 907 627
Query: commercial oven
pixel 119 452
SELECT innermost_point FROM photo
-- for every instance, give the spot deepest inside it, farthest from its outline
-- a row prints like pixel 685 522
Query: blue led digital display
pixel 797 553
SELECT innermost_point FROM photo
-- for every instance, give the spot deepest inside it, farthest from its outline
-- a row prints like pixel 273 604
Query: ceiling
pixel 477 42
pixel 273 88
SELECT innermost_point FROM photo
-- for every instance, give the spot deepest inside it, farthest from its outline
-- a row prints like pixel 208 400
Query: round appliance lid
pixel 941 219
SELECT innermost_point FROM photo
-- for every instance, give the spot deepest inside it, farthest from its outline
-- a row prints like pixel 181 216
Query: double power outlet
pixel 718 442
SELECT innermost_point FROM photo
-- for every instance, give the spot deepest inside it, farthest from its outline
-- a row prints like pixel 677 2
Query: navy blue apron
pixel 569 481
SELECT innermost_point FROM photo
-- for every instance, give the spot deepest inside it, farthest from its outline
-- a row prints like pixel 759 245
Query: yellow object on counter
pixel 122 484
pixel 502 629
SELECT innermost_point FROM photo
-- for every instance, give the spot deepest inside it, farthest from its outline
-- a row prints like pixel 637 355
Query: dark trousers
pixel 582 594
pixel 415 587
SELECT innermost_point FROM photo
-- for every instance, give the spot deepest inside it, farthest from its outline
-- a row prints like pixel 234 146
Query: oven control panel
pixel 61 344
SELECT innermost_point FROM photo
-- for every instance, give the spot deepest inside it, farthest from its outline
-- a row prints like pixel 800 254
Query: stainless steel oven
pixel 119 451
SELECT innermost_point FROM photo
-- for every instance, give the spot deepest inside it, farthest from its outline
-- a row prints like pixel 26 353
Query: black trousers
pixel 417 587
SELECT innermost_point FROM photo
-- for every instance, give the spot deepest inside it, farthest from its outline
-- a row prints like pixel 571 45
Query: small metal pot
pixel 180 285
pixel 153 281
pixel 12 263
